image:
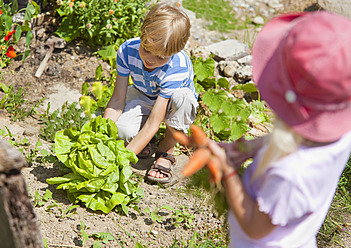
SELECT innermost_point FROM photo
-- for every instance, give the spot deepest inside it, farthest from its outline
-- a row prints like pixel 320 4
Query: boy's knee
pixel 182 109
pixel 183 96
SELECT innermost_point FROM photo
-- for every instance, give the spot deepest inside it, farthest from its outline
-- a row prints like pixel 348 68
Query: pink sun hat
pixel 302 68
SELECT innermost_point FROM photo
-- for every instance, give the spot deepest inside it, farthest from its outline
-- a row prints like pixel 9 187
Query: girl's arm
pixel 255 224
pixel 117 102
pixel 151 125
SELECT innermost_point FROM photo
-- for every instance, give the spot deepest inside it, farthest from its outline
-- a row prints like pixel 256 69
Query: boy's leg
pixel 136 112
pixel 180 115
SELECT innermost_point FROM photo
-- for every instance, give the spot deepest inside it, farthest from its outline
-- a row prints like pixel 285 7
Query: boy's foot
pixel 162 169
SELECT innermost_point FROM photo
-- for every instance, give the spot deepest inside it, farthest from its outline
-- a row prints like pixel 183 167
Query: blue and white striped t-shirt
pixel 162 81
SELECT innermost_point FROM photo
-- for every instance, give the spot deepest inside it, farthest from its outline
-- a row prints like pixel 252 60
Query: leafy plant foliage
pixel 10 32
pixel 100 164
pixel 69 116
pixel 221 115
pixel 15 103
pixel 100 22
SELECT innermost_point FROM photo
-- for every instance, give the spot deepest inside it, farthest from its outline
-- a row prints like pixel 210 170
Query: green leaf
pixel 97 90
pixel 214 99
pixel 223 83
pixel 219 122
pixel 87 103
pixel 248 87
pixel 32 9
pixel 44 152
pixel 107 52
pixel 29 37
pixel 233 108
pixel 68 29
pixel 18 33
pixel 14 6
pixel 104 237
pixel 48 195
pixel 85 89
pixel 98 72
pixel 4 88
pixel 208 83
pixel 138 245
pixel 238 129
pixel 167 207
pixel 125 174
pixel 204 69
pixel 8 21
pixel 64 179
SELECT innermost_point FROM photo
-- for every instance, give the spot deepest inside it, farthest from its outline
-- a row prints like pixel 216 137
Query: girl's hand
pixel 221 155
pixel 241 150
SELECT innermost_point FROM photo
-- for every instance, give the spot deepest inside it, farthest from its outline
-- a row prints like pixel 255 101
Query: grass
pixel 336 220
pixel 219 14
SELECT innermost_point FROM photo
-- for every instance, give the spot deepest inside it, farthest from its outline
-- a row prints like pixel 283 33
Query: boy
pixel 163 87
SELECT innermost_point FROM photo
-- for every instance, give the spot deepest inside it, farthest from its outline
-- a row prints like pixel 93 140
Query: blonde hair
pixel 282 142
pixel 165 30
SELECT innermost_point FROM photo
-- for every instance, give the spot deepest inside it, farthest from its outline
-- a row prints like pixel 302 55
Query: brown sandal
pixel 166 171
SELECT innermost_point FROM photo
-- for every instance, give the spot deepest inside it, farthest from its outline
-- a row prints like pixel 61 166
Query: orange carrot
pixel 197 161
pixel 199 137
pixel 182 138
pixel 213 166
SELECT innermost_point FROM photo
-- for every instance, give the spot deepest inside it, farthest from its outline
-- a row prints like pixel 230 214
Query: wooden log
pixel 18 224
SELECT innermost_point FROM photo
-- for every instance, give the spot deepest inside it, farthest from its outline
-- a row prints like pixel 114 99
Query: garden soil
pixel 67 69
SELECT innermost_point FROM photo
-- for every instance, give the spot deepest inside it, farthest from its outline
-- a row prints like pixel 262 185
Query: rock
pixel 244 74
pixel 200 51
pixel 230 49
pixel 276 4
pixel 40 33
pixel 341 7
pixel 258 20
pixel 228 68
pixel 245 60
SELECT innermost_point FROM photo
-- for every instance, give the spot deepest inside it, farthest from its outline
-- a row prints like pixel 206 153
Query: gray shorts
pixel 181 112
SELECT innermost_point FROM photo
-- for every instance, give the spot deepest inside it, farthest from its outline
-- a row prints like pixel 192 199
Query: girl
pixel 302 67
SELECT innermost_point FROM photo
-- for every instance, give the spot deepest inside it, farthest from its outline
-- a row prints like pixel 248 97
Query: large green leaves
pixel 229 116
pixel 100 165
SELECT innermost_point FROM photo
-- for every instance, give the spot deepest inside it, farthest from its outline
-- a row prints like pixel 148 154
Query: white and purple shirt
pixel 296 192
pixel 163 81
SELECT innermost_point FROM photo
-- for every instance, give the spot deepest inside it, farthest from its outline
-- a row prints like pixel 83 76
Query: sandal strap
pixel 161 168
pixel 165 155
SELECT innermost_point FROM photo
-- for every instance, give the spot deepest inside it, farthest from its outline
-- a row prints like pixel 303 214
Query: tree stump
pixel 18 224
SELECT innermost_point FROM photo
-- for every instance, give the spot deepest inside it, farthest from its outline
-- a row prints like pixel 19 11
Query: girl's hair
pixel 282 142
pixel 165 30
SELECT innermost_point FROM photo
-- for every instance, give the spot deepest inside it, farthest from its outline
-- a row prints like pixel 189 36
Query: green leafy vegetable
pixel 100 165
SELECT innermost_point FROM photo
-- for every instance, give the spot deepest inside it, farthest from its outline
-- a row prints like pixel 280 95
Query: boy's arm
pixel 151 125
pixel 116 105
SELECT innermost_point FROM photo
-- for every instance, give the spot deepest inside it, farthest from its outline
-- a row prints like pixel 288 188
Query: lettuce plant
pixel 100 164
